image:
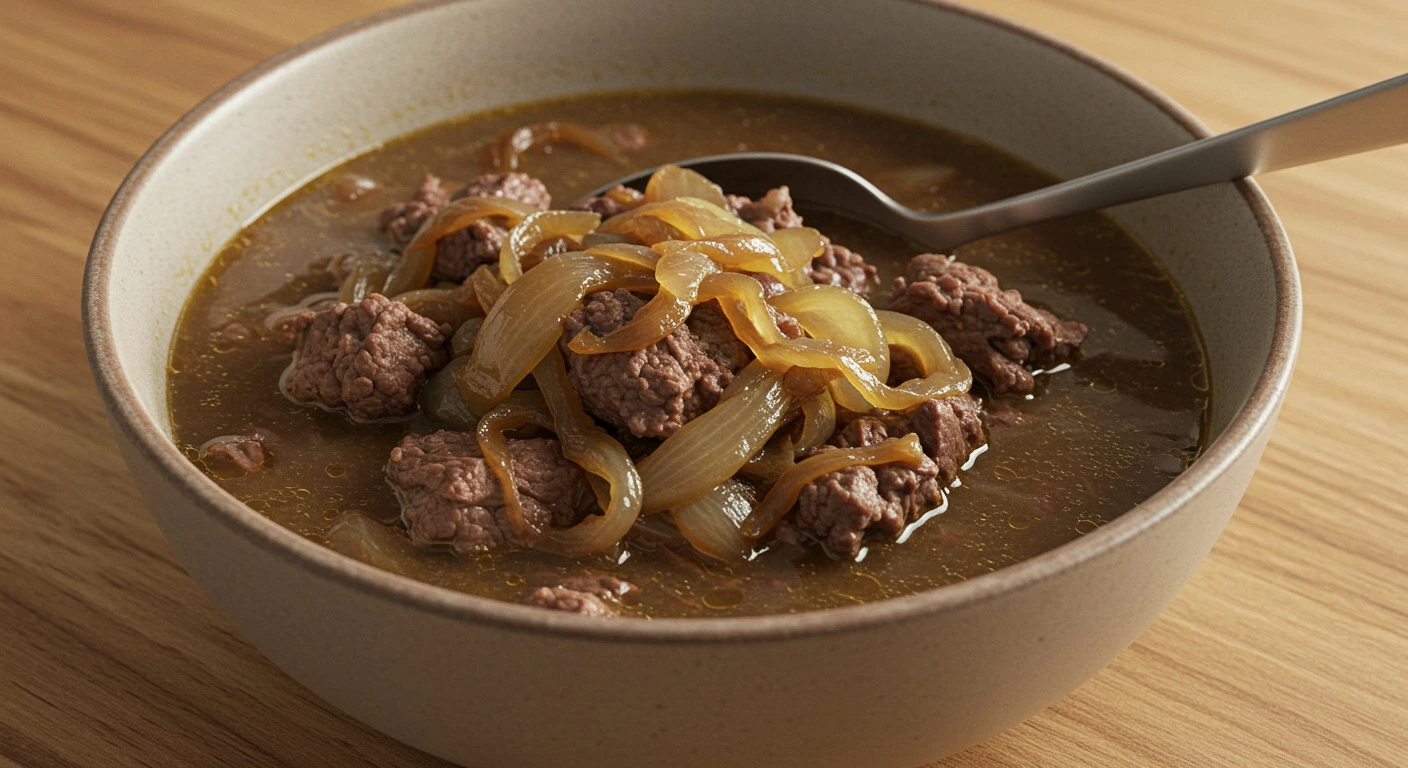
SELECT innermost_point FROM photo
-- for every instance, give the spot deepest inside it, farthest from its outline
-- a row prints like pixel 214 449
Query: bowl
pixel 894 683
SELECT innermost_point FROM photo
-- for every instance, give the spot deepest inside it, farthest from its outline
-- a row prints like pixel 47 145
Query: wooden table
pixel 1288 647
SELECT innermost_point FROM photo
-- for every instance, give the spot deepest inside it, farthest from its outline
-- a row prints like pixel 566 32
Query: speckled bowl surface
pixel 895 683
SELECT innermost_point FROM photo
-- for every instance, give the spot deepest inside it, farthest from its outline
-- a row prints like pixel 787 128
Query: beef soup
pixel 702 404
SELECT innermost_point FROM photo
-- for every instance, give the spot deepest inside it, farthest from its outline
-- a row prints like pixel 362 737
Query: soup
pixel 1052 442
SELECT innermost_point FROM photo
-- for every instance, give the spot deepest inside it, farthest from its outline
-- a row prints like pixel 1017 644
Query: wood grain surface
pixel 1288 647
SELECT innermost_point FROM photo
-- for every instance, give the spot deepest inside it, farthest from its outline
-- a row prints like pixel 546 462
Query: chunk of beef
pixel 594 595
pixel 949 428
pixel 244 453
pixel 616 200
pixel 841 266
pixel 628 137
pixel 370 358
pixel 570 601
pixel 403 220
pixel 654 391
pixel 771 212
pixel 459 253
pixel 1000 336
pixel 450 496
pixel 843 508
pixel 235 334
pixel 837 264
pixel 514 186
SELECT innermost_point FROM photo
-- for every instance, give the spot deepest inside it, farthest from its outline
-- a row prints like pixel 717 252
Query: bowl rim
pixel 143 433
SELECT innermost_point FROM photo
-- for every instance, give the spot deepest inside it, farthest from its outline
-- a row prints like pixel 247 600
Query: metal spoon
pixel 1369 118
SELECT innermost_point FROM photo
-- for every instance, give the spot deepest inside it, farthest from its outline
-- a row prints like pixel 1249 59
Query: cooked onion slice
pixel 451 306
pixel 494 445
pixel 591 448
pixel 744 253
pixel 711 448
pixel 684 218
pixel 834 313
pixel 537 229
pixel 679 274
pixel 486 285
pixel 710 524
pixel 366 275
pixel 922 342
pixel 504 152
pixel 784 492
pixel 819 421
pixel 769 463
pixel 418 258
pixel 671 181
pixel 527 320
pixel 441 401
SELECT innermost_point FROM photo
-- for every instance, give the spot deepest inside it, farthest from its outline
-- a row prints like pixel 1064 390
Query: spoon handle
pixel 1370 118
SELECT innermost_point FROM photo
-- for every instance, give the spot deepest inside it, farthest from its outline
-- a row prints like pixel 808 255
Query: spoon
pixel 1370 118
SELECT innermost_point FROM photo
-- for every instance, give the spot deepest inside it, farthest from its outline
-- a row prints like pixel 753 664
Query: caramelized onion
pixel 590 447
pixel 769 463
pixel 526 321
pixel 671 181
pixel 711 448
pixel 440 398
pixel 710 524
pixel 450 306
pixel 462 343
pixel 418 258
pixel 684 218
pixel 923 343
pixel 834 313
pixel 366 275
pixel 494 445
pixel 487 286
pixel 537 229
pixel 504 152
pixel 819 421
pixel 678 274
pixel 783 494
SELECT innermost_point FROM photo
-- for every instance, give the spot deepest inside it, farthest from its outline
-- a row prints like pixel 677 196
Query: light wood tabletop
pixel 1288 648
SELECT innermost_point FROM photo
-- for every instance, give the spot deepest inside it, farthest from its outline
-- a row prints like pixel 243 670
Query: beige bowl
pixel 479 682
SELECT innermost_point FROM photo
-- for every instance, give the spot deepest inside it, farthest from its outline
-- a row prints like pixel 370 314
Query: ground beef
pixel 370 358
pixel 771 212
pixel 596 595
pixel 514 186
pixel 654 391
pixel 570 601
pixel 628 137
pixel 450 496
pixel 616 200
pixel 843 508
pixel 459 253
pixel 841 266
pixel 403 220
pixel 236 455
pixel 837 264
pixel 1000 336
pixel 235 334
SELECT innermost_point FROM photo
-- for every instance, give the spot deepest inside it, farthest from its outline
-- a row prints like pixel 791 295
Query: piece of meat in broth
pixel 837 265
pixel 589 595
pixel 843 509
pixel 654 391
pixel 450 497
pixel 998 334
pixel 370 358
pixel 459 253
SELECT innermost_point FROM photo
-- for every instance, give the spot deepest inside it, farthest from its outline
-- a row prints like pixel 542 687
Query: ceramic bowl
pixel 895 683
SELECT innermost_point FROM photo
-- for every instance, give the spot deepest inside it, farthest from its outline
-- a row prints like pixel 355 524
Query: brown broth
pixel 1097 439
